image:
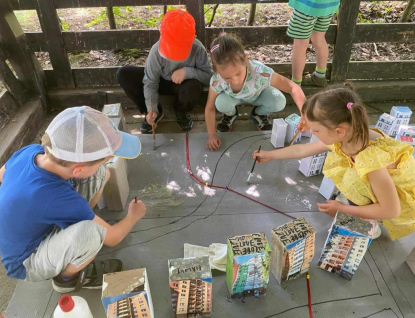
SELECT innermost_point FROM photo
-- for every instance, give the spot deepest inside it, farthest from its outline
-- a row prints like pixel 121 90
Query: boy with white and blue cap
pixel 47 226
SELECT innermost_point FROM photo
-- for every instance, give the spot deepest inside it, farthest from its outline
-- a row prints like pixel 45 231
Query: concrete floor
pixel 239 225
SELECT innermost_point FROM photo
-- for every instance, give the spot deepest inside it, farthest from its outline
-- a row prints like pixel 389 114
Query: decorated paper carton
pixel 313 165
pixel 348 240
pixel 114 111
pixel 385 123
pixel 292 122
pixel 279 130
pixel 292 246
pixel 406 139
pixel 247 266
pixel 127 294
pixel 328 189
pixel 191 286
pixel 406 130
pixel 402 114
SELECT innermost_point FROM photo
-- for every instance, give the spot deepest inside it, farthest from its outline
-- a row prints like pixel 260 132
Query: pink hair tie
pixel 349 105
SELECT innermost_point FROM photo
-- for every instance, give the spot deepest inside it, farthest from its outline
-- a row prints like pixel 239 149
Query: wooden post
pixel 345 32
pixel 24 62
pixel 252 14
pixel 111 18
pixel 196 9
pixel 407 12
pixel 13 85
pixel 49 21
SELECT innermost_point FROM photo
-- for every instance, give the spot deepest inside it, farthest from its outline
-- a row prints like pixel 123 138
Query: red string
pixel 224 188
pixel 310 310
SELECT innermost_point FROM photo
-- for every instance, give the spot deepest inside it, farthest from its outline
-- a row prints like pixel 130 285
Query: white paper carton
pixel 313 165
pixel 115 111
pixel 328 189
pixel 117 188
pixel 402 114
pixel 386 123
pixel 279 130
pixel 292 122
pixel 406 130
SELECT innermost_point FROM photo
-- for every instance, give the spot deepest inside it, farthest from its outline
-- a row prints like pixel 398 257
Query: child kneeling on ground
pixel 238 80
pixel 47 226
pixel 375 172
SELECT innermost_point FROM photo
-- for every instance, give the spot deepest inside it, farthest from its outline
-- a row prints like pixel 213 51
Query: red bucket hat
pixel 177 33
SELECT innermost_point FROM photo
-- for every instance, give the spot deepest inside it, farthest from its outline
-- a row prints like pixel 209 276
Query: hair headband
pixel 215 47
pixel 349 105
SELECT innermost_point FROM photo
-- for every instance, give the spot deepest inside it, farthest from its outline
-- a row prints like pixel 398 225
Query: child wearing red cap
pixel 177 65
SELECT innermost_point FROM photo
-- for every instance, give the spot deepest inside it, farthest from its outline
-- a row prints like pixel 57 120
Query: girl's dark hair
pixel 329 108
pixel 226 49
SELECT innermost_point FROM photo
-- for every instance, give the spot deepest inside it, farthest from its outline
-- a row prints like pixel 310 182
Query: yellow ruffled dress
pixel 351 178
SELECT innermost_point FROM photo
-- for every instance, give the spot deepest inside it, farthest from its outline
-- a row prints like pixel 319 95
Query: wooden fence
pixel 67 86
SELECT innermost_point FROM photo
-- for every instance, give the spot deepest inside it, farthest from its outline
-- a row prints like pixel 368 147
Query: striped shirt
pixel 315 8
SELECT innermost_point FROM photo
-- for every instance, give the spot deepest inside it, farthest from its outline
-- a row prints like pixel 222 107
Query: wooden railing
pixel 58 43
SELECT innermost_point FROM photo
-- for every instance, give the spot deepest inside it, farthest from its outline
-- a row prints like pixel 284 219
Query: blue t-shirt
pixel 32 202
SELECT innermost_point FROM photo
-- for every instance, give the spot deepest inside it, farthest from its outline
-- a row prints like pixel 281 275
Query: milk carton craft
pixel 279 131
pixel 127 294
pixel 247 266
pixel 114 111
pixel 349 238
pixel 402 114
pixel 328 189
pixel 386 123
pixel 405 130
pixel 191 286
pixel 292 246
pixel 292 122
pixel 313 165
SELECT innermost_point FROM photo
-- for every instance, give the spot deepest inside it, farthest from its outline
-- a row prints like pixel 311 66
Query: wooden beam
pixel 381 70
pixel 8 107
pixel 13 85
pixel 111 18
pixel 385 32
pixel 22 59
pixel 346 22
pixel 49 21
pixel 196 9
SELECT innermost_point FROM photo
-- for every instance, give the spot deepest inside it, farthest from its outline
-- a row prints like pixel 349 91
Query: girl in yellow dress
pixel 373 171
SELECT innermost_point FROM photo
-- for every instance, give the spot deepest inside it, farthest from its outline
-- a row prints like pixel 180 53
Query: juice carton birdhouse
pixel 247 267
pixel 292 246
pixel 191 286
pixel 328 189
pixel 279 131
pixel 349 238
pixel 292 122
pixel 127 294
pixel 386 123
pixel 313 165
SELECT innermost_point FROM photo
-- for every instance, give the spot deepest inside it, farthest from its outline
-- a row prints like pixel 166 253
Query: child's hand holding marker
pixel 262 156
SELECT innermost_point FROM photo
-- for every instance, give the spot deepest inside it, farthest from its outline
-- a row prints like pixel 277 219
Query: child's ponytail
pixel 339 104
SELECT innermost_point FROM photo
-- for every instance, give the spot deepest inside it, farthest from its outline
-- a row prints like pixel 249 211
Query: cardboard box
pixel 292 122
pixel 385 123
pixel 411 261
pixel 115 111
pixel 327 189
pixel 292 247
pixel 247 265
pixel 313 165
pixel 191 286
pixel 349 238
pixel 402 114
pixel 279 130
pixel 117 188
pixel 406 130
pixel 127 292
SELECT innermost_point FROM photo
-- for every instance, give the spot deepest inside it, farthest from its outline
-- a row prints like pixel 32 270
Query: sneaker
pixel 184 120
pixel 261 121
pixel 376 231
pixel 146 128
pixel 90 277
pixel 313 80
pixel 225 124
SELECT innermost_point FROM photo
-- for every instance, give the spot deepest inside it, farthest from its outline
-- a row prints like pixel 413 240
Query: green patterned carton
pixel 248 262
pixel 191 286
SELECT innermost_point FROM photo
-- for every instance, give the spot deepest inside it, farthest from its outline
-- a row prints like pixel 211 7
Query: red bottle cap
pixel 66 303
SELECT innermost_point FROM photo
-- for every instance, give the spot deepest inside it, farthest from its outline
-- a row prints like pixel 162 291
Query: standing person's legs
pixel 300 28
pixel 130 79
pixel 271 100
pixel 322 49
pixel 227 106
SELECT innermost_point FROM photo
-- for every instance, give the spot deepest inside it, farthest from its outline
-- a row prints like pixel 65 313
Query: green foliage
pixel 209 12
pixel 363 20
pixel 102 16
pixel 64 25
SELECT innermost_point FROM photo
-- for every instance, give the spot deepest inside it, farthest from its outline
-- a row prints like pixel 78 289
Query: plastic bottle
pixel 72 307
